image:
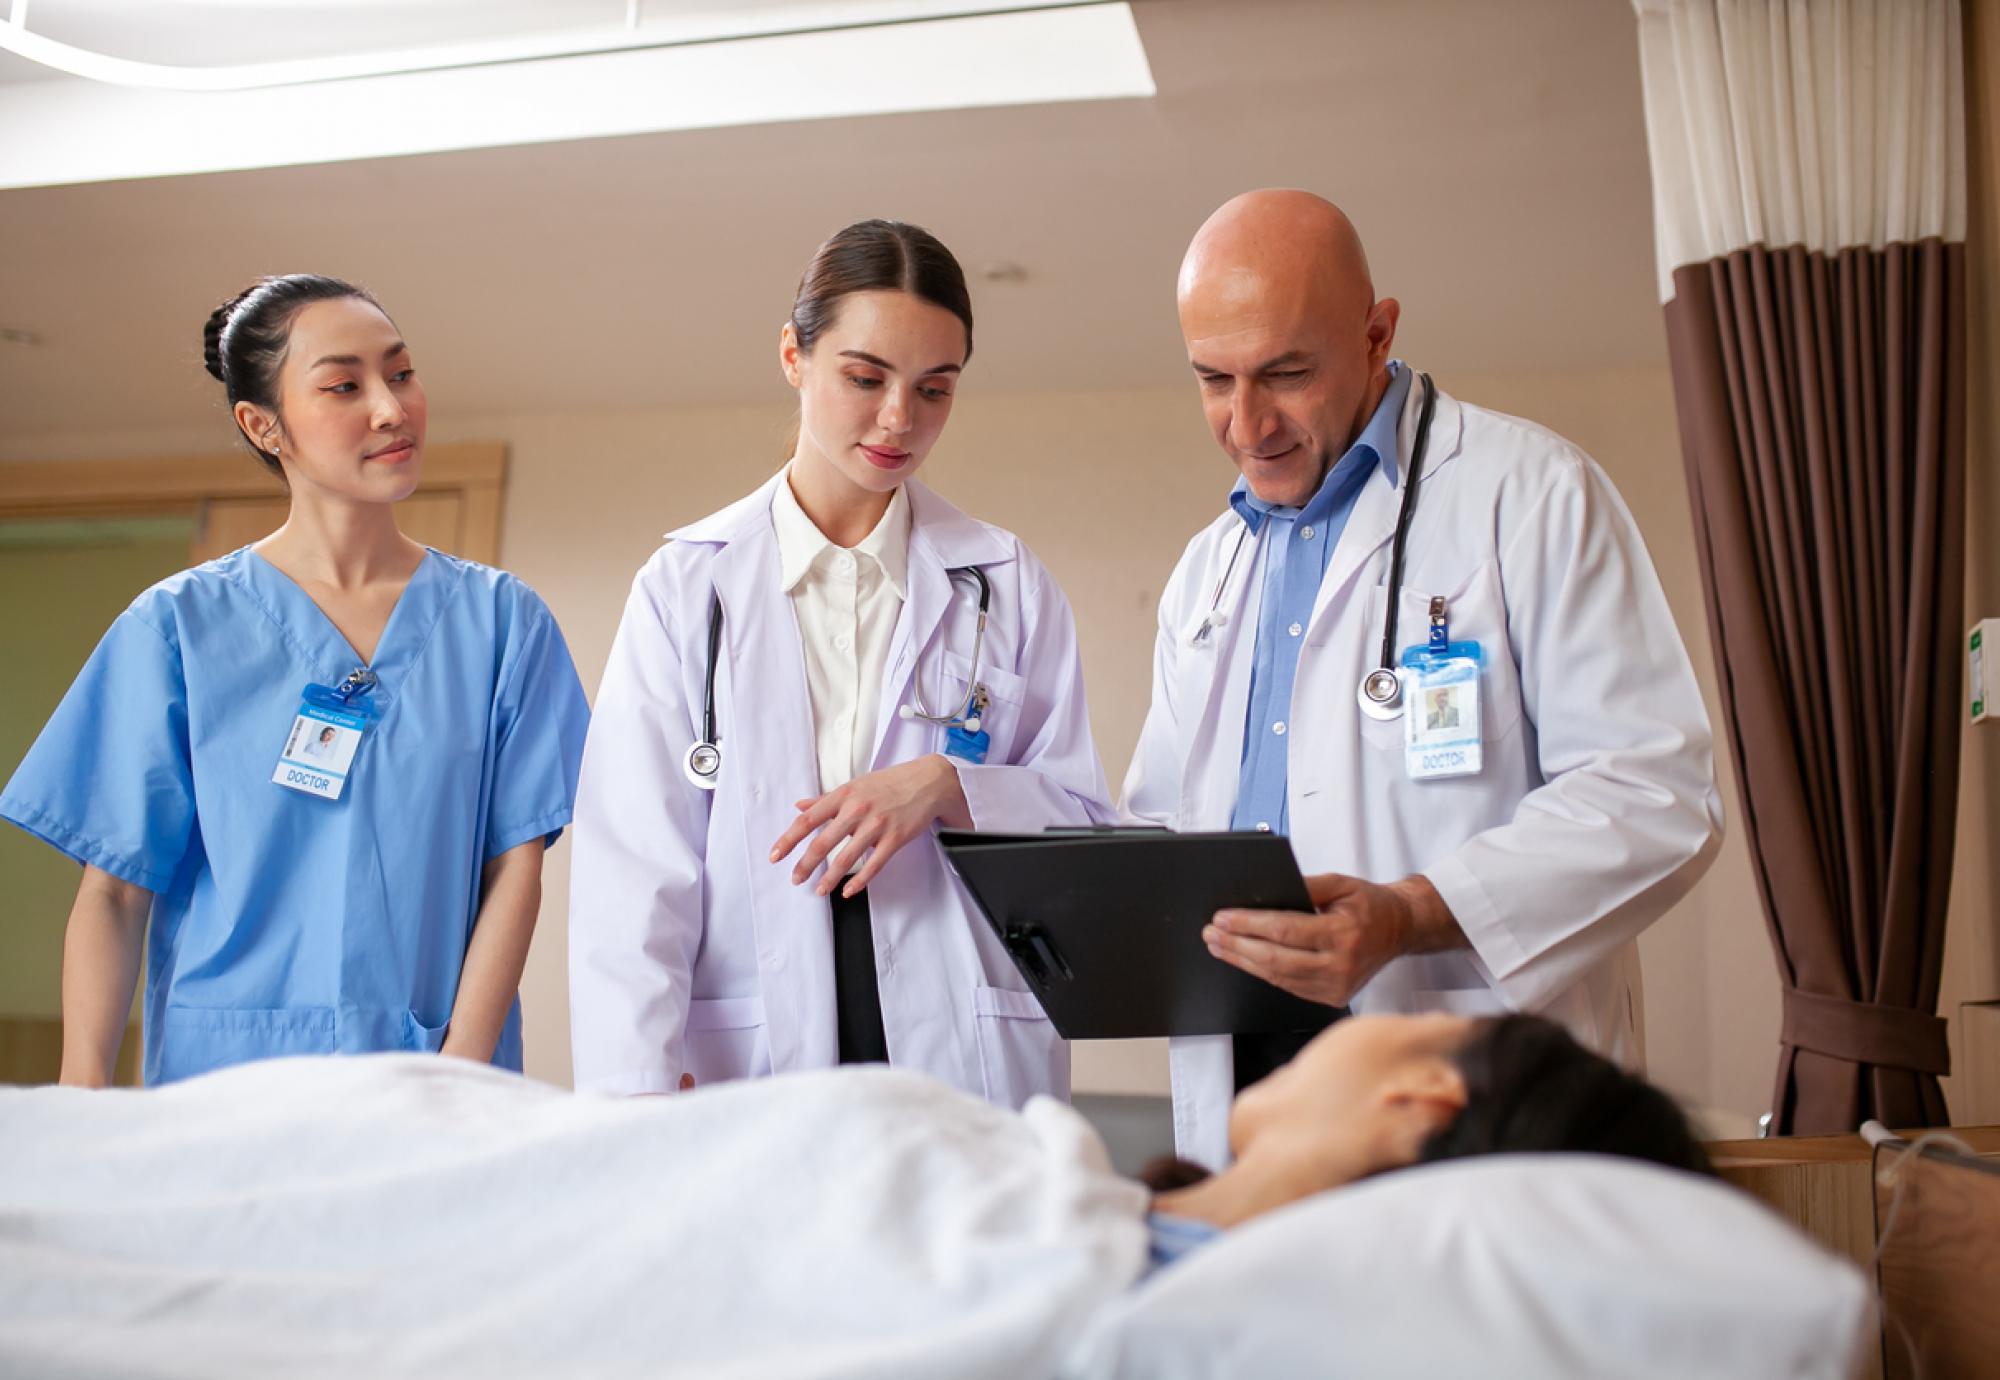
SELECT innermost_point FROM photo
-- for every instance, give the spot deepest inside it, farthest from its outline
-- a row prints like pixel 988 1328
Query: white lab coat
pixel 690 951
pixel 1596 808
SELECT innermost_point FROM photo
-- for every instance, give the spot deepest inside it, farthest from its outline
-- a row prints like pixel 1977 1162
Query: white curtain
pixel 1819 123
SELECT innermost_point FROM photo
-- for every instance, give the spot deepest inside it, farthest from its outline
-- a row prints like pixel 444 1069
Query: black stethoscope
pixel 703 764
pixel 1381 690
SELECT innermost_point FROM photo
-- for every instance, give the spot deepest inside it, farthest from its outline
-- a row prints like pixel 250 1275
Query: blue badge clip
pixel 968 740
pixel 359 682
pixel 967 747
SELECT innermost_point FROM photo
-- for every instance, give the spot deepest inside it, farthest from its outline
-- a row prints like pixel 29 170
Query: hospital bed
pixel 404 1215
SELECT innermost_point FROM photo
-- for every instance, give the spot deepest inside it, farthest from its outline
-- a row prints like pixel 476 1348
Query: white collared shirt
pixel 847 603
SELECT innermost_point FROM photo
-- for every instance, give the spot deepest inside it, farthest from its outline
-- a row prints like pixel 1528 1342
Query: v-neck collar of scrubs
pixel 321 645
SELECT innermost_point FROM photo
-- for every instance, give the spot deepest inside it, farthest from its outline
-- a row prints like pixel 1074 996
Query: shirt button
pixel 1279 728
pixel 1295 629
pixel 842 642
pixel 1307 532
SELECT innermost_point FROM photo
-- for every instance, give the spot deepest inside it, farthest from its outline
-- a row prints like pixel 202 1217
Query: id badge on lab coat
pixel 1441 711
pixel 319 750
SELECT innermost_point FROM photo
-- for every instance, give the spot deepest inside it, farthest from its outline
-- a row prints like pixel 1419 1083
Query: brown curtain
pixel 1822 417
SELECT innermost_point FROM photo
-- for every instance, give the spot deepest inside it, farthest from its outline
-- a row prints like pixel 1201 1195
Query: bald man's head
pixel 1285 335
pixel 1293 239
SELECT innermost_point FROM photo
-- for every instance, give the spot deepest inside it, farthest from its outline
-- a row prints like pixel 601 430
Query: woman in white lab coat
pixel 757 886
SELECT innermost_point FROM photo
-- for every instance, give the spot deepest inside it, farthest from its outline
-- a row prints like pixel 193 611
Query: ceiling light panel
pixel 69 131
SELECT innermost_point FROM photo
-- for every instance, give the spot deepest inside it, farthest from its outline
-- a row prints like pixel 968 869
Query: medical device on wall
pixel 703 764
pixel 1978 643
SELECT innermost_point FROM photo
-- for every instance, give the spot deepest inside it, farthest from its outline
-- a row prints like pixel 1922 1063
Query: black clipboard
pixel 1105 925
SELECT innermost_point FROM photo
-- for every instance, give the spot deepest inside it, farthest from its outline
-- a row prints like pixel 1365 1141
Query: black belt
pixel 857 998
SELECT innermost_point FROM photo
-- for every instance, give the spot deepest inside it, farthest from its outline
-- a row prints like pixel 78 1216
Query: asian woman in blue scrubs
pixel 290 905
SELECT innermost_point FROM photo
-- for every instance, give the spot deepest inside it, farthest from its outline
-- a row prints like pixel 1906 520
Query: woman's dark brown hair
pixel 874 256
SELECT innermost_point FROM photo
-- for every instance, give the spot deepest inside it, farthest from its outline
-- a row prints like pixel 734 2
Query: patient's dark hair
pixel 245 339
pixel 1529 1087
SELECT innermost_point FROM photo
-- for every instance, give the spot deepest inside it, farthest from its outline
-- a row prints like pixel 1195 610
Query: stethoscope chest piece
pixel 1381 694
pixel 703 765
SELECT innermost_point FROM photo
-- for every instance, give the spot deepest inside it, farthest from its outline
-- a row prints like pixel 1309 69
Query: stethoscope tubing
pixel 1385 669
pixel 703 764
pixel 1404 514
pixel 921 710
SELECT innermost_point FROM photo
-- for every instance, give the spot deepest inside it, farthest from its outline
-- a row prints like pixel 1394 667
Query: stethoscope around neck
pixel 703 764
pixel 1380 692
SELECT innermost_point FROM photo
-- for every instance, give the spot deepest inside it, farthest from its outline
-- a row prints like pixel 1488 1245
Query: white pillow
pixel 1536 1266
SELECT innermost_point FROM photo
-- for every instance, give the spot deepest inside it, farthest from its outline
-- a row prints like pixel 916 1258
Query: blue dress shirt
pixel 1298 544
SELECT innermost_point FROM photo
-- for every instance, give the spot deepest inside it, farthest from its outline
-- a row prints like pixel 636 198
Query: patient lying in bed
pixel 1378 1093
pixel 402 1214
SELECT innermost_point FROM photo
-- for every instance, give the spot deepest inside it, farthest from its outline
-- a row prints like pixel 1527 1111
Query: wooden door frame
pixel 476 470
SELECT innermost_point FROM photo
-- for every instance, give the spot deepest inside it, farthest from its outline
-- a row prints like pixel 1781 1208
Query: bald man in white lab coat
pixel 1513 871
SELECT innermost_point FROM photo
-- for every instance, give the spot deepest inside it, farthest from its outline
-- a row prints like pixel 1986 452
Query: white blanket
pixel 410 1215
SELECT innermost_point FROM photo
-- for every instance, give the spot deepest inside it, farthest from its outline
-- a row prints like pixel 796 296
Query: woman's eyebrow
pixel 881 363
pixel 389 353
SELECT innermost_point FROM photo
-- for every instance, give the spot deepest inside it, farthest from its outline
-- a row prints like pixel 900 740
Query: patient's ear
pixel 1419 1099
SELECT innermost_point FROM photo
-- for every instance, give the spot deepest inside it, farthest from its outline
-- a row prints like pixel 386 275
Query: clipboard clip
pixel 1037 953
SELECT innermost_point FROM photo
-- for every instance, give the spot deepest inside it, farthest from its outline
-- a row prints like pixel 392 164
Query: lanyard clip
pixel 1440 632
pixel 359 682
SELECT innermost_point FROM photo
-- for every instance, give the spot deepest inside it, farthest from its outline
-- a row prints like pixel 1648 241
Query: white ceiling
pixel 1493 155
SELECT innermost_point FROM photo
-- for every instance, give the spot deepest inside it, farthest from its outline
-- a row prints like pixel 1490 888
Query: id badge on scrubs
pixel 320 748
pixel 1441 711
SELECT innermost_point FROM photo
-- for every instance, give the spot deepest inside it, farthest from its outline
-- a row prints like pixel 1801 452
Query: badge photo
pixel 319 751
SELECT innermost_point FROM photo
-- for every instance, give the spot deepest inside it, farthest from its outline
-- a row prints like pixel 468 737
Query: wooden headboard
pixel 1938 1226
pixel 1825 1186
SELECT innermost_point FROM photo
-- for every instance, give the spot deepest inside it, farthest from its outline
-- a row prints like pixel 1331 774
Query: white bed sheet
pixel 409 1215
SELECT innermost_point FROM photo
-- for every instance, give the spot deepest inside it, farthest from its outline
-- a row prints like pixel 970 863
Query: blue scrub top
pixel 284 923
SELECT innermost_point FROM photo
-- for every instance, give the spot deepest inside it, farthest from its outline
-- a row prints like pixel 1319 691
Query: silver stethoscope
pixel 703 763
pixel 1380 693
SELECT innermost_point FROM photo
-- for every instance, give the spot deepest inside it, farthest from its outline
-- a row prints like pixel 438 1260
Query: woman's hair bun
pixel 211 333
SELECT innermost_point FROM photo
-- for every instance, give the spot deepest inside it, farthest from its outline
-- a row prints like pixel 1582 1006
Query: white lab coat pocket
pixel 1475 611
pixel 1006 691
pixel 726 1039
pixel 1020 1053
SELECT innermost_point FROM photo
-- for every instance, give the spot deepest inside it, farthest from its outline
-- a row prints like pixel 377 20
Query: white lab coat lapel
pixel 766 736
pixel 1221 682
pixel 1372 524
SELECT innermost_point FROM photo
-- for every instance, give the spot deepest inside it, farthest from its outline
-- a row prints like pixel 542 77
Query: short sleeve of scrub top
pixel 109 781
pixel 540 718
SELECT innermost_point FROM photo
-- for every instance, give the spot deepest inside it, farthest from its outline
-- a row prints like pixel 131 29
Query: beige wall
pixel 1107 488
